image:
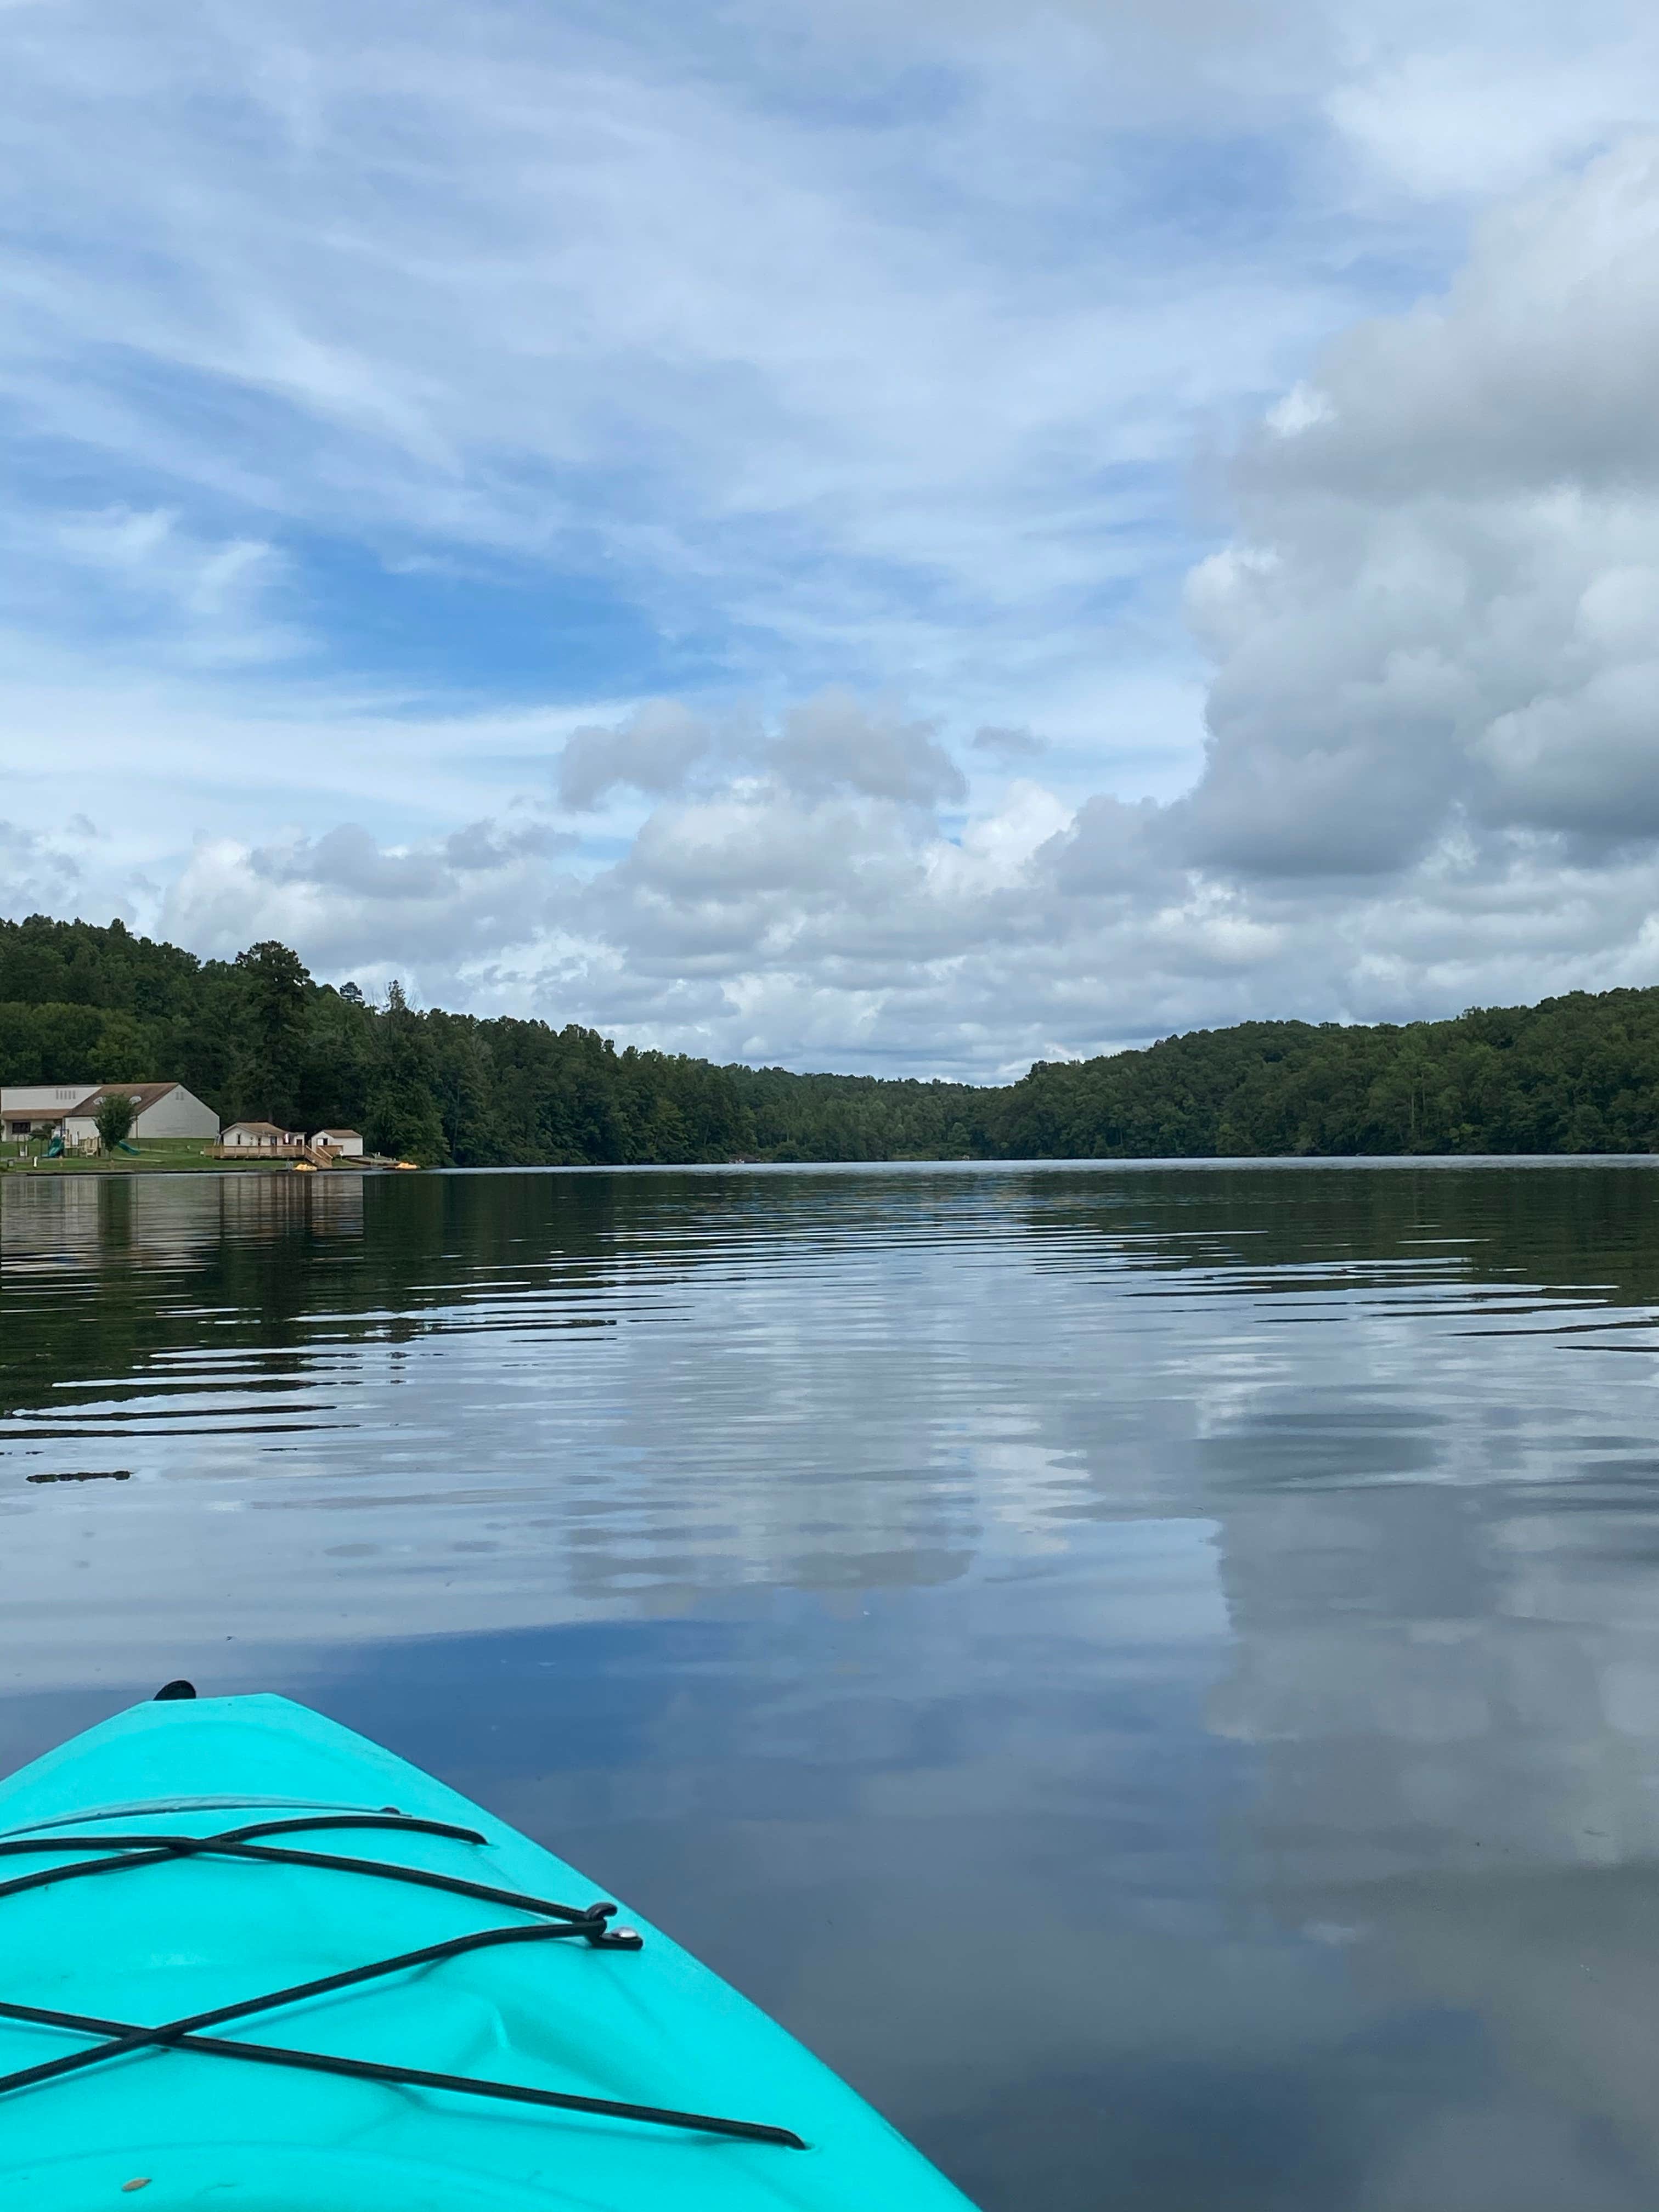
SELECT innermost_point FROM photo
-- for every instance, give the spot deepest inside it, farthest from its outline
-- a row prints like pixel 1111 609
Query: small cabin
pixel 260 1136
pixel 348 1143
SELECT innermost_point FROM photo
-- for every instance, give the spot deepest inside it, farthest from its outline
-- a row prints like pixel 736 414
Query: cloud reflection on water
pixel 1153 1671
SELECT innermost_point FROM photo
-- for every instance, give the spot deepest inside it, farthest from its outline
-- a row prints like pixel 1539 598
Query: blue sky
pixel 784 397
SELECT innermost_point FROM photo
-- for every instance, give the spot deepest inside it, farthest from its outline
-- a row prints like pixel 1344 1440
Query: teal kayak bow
pixel 253 1962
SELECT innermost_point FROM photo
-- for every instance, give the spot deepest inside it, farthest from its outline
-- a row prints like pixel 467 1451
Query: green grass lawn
pixel 159 1155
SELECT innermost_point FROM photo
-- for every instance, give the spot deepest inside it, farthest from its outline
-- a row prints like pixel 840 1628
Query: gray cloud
pixel 35 873
pixel 348 859
pixel 654 751
pixel 832 743
pixel 1441 612
pixel 498 844
pixel 1533 371
pixel 1113 848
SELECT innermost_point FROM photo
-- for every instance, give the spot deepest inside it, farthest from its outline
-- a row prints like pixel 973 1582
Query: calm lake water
pixel 1153 1671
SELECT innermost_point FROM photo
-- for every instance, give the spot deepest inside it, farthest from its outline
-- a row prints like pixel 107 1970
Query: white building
pixel 160 1110
pixel 26 1109
pixel 261 1137
pixel 346 1142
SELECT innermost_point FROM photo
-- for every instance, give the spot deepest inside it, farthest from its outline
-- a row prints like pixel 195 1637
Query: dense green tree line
pixel 857 1117
pixel 256 1036
pixel 1575 1074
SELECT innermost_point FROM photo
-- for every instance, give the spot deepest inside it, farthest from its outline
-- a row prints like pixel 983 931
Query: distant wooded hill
pixel 258 1038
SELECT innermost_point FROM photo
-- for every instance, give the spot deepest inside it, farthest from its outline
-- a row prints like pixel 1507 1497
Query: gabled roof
pixel 339 1133
pixel 258 1129
pixel 142 1095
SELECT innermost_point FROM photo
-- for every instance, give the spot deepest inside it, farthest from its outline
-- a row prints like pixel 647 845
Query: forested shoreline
pixel 257 1036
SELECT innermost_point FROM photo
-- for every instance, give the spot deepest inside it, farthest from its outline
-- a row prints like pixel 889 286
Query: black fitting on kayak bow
pixel 169 1690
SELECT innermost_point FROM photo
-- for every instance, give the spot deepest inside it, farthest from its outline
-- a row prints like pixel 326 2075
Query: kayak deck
pixel 253 1960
